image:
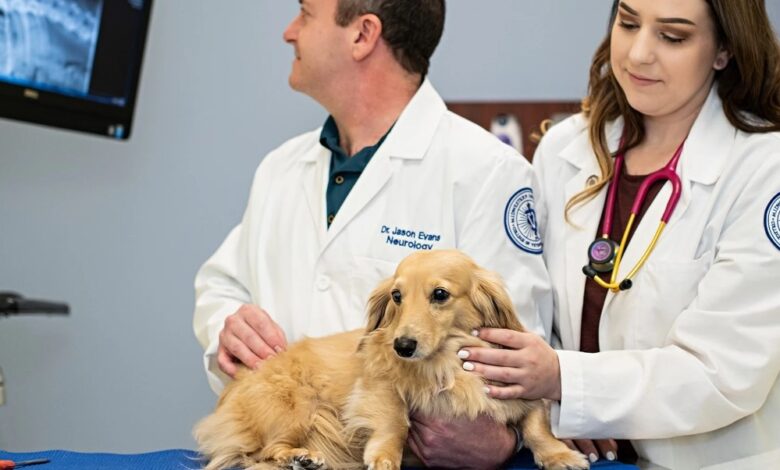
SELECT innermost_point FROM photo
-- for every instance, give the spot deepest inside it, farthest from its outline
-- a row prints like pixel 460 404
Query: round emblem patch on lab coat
pixel 520 222
pixel 772 220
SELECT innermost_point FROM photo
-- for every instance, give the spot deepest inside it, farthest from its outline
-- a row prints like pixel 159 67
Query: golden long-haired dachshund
pixel 343 401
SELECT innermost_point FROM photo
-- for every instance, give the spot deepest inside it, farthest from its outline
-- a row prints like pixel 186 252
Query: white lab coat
pixel 692 352
pixel 436 174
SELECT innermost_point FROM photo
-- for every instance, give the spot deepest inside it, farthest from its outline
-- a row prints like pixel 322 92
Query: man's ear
pixel 366 35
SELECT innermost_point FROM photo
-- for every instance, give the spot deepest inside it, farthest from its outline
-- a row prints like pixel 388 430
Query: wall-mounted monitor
pixel 72 64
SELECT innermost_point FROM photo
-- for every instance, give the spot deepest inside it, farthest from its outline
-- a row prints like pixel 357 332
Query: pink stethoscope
pixel 604 253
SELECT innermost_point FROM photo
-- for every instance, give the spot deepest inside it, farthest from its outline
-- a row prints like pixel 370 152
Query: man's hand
pixel 250 336
pixel 481 444
pixel 528 366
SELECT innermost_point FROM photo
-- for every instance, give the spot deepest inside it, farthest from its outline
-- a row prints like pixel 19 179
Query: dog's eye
pixel 396 294
pixel 440 295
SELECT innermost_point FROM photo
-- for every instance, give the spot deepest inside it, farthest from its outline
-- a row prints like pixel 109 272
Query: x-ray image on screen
pixel 72 64
pixel 49 44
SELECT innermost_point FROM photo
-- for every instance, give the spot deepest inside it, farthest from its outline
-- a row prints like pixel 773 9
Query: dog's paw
pixel 383 463
pixel 564 460
pixel 310 461
pixel 301 459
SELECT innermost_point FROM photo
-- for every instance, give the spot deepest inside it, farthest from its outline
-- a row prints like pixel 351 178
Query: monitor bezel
pixel 48 108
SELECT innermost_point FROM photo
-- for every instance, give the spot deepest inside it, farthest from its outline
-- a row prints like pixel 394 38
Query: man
pixel 332 211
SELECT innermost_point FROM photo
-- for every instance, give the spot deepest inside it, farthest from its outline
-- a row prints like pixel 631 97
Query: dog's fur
pixel 343 401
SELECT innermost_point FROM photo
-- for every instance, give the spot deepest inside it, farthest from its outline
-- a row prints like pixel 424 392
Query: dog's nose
pixel 404 346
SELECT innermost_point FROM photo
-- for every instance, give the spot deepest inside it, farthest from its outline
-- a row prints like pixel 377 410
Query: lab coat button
pixel 339 179
pixel 323 282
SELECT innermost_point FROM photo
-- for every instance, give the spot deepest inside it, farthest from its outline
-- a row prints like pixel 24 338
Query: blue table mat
pixel 181 459
pixel 173 459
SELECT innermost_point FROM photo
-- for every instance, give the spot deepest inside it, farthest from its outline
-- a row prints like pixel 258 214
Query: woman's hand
pixel 594 449
pixel 528 368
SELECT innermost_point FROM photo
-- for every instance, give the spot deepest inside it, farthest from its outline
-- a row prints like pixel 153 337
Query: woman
pixel 682 355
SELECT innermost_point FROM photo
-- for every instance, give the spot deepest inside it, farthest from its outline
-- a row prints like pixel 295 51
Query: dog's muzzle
pixel 405 347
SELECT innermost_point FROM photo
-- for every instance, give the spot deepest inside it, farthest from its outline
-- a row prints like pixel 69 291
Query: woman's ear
pixel 722 59
pixel 491 299
pixel 367 34
pixel 378 305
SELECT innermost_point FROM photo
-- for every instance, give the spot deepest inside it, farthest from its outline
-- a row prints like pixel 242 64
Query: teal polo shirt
pixel 344 170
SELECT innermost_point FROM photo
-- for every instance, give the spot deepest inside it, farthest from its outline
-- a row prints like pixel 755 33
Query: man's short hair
pixel 412 28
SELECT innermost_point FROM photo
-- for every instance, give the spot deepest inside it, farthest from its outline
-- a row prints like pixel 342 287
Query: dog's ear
pixel 491 299
pixel 377 305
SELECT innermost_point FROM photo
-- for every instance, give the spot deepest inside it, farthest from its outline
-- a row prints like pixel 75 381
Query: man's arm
pixel 229 325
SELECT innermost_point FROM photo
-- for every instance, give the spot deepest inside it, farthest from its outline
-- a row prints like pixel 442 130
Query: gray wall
pixel 119 229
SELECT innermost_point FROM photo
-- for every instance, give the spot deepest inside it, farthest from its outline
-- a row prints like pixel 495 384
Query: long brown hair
pixel 749 86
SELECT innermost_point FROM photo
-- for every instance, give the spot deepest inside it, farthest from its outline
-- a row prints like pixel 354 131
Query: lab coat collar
pixel 708 145
pixel 586 160
pixel 413 132
pixel 316 152
pixel 704 155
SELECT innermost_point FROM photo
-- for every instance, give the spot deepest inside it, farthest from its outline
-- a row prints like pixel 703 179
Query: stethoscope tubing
pixel 669 173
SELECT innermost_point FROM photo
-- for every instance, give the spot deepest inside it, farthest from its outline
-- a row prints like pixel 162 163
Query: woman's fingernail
pixel 463 354
pixel 593 458
pixel 468 366
pixel 278 348
pixel 487 390
pixel 474 332
pixel 611 455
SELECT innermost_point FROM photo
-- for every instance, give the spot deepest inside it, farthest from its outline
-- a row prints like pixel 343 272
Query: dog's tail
pixel 224 439
pixel 223 444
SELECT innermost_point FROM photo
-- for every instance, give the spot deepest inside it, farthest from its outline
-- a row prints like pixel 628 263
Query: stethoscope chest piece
pixel 602 253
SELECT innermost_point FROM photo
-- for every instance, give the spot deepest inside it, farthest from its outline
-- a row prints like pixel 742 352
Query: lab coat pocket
pixel 366 276
pixel 666 289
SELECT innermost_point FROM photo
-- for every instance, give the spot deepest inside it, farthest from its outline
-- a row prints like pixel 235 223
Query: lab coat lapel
pixel 409 139
pixel 314 169
pixel 581 231
pixel 376 174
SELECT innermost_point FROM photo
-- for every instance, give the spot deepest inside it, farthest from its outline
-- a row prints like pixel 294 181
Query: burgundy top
pixel 594 293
